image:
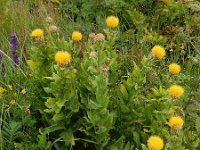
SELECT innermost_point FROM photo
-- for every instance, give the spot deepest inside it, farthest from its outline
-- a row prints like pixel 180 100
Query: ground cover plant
pixel 114 74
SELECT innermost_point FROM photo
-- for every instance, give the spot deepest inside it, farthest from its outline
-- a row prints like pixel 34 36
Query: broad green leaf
pixel 50 103
pixel 55 77
pixel 93 117
pixel 42 139
pixel 60 103
pixel 136 138
pixel 101 130
pixel 93 105
pixel 127 146
pixel 113 147
pixel 117 144
pixel 68 137
pixel 58 116
pixel 47 89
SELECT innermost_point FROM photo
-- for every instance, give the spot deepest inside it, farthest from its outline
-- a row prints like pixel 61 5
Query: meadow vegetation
pixel 91 74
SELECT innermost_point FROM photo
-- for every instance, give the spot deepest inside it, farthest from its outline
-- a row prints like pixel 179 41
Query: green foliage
pixel 113 94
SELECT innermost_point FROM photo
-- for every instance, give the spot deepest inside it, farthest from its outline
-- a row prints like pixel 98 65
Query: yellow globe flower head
pixel 158 51
pixel 37 33
pixel 176 122
pixel 112 21
pixel 176 91
pixel 174 68
pixel 62 58
pixel 23 91
pixel 2 90
pixel 155 143
pixel 77 36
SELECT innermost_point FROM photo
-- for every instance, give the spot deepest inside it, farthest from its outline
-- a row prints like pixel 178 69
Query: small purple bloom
pixel 14 46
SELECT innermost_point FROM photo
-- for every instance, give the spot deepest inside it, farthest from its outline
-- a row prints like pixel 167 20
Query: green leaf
pixel 42 142
pixel 136 138
pixel 127 146
pixel 136 71
pixel 124 108
pixel 102 91
pixel 60 103
pixel 50 103
pixel 101 130
pixel 124 91
pixel 106 120
pixel 144 147
pixel 42 139
pixel 68 137
pixel 54 128
pixel 113 147
pixel 58 116
pixel 47 90
pixel 93 117
pixel 54 77
pixel 93 105
pixel 198 124
pixel 117 144
pixel 137 18
pixel 33 65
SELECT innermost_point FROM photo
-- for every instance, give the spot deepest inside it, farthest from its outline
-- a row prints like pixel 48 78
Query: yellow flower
pixel 12 102
pixel 10 87
pixel 2 90
pixel 62 58
pixel 155 143
pixel 158 51
pixel 176 91
pixel 37 33
pixel 23 91
pixel 27 109
pixel 176 122
pixel 77 36
pixel 112 21
pixel 174 68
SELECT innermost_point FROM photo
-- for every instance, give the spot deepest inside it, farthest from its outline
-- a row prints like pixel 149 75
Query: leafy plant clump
pixel 129 81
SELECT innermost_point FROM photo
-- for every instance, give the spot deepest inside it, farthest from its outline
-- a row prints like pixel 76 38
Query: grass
pixel 18 123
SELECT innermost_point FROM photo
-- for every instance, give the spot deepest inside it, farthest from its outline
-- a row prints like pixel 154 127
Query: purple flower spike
pixel 14 46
